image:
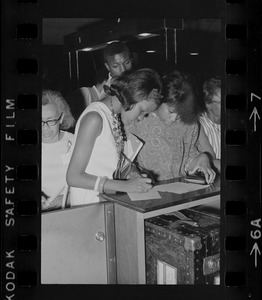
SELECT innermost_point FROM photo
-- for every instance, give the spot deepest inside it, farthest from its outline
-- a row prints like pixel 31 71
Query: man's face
pixel 118 64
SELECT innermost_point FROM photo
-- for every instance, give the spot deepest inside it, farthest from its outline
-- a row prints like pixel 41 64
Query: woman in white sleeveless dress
pixel 99 138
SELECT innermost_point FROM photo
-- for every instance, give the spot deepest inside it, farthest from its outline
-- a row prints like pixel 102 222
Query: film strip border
pixel 241 170
pixel 242 147
pixel 20 151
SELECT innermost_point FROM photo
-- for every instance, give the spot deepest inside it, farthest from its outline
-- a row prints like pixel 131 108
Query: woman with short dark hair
pixel 171 132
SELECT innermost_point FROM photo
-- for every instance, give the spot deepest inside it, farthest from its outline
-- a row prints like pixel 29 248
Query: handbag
pixel 127 168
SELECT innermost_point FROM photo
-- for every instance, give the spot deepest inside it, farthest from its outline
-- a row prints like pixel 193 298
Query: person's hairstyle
pixel 135 86
pixel 179 95
pixel 210 88
pixel 101 75
pixel 115 48
pixel 56 98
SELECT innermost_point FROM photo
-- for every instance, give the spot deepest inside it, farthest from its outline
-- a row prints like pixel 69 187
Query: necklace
pixel 117 130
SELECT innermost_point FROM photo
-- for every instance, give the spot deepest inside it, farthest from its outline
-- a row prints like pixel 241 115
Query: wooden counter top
pixel 167 199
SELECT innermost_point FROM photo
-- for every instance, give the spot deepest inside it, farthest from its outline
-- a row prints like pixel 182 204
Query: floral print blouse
pixel 167 148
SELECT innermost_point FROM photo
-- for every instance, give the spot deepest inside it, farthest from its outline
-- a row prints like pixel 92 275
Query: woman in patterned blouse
pixel 170 134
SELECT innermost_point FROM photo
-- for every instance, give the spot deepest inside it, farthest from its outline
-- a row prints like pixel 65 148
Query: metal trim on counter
pixel 110 242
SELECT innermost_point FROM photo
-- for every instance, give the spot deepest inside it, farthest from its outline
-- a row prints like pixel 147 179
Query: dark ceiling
pixel 54 29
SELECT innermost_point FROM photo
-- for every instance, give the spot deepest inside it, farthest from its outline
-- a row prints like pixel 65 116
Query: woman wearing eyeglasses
pixel 56 142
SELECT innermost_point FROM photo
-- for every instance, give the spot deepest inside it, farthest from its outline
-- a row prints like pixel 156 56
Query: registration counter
pixel 104 243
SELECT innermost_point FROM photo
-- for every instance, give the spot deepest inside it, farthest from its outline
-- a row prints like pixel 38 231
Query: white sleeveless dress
pixel 104 158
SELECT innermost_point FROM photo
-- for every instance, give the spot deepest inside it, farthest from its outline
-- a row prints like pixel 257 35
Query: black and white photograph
pixel 131 150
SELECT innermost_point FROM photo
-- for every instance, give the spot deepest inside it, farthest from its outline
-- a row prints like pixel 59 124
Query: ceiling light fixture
pixel 86 49
pixel 97 47
pixel 112 41
pixel 145 34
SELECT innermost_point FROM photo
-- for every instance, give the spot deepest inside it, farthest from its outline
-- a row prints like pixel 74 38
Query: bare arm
pixel 202 163
pixel 90 128
pixel 217 164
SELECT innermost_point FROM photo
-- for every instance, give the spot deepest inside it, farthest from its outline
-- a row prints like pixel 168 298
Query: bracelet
pixel 102 184
pixel 98 179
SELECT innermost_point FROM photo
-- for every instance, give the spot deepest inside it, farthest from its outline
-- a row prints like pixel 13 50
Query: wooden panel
pixel 70 254
pixel 130 246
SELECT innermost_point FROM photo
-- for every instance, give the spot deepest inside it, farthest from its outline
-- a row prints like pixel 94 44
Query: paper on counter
pixel 179 187
pixel 152 194
pixel 175 187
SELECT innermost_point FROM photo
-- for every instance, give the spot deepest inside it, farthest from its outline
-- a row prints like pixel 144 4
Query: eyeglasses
pixel 51 122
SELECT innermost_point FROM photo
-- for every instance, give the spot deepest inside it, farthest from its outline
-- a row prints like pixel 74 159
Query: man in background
pixel 92 94
pixel 117 59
